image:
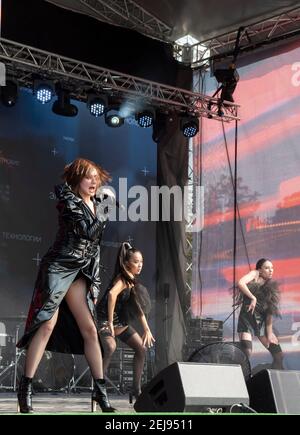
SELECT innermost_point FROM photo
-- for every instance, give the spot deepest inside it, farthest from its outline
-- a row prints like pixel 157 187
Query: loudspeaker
pixel 275 391
pixel 193 387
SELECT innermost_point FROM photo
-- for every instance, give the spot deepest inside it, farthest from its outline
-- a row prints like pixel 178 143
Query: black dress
pixel 126 308
pixel 120 316
pixel 75 253
pixel 267 296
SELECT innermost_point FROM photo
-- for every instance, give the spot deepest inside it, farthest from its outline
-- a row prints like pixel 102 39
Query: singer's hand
pixel 109 197
pixel 106 191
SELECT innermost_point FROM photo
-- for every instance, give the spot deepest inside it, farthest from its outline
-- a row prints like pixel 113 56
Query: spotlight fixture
pixel 113 119
pixel 96 104
pixel 145 118
pixel 189 125
pixel 43 90
pixel 9 93
pixel 228 79
pixel 62 106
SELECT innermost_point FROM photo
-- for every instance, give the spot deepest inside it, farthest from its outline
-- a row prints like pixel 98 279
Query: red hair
pixel 75 171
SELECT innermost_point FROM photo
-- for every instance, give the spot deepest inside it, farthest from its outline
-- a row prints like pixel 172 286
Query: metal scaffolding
pixel 127 13
pixel 22 62
pixel 281 26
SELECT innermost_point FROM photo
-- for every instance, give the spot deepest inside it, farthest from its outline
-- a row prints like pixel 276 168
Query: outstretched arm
pixel 242 284
pixel 148 339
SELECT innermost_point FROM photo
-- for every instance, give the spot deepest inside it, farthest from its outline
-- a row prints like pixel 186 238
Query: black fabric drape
pixel 171 303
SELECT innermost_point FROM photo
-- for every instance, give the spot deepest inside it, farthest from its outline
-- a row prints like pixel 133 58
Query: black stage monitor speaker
pixel 275 391
pixel 192 387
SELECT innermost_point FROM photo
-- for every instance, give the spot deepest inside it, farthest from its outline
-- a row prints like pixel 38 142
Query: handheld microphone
pixel 115 201
pixel 108 194
pixel 120 206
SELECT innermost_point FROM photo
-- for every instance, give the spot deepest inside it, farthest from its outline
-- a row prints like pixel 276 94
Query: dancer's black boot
pixel 99 395
pixel 24 395
pixel 134 394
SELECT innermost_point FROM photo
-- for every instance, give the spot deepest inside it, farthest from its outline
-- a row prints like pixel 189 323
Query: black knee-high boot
pixel 99 395
pixel 24 395
pixel 277 354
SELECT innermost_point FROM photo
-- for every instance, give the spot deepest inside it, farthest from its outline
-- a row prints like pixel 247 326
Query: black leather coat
pixel 75 252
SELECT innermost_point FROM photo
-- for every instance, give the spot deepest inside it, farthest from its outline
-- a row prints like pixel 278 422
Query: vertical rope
pixel 234 226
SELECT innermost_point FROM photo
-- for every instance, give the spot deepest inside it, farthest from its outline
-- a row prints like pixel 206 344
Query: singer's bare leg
pixel 76 300
pixel 38 345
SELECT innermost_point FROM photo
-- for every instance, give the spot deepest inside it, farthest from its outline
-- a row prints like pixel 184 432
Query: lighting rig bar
pixel 127 13
pixel 22 62
pixel 283 25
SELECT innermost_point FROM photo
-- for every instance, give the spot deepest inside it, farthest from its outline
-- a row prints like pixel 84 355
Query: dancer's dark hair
pixel 260 263
pixel 139 301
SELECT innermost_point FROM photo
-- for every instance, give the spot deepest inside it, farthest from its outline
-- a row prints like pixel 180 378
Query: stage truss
pixel 270 30
pixel 129 14
pixel 23 62
pixel 126 13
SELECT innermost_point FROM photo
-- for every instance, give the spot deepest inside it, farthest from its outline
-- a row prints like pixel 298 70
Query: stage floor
pixel 61 403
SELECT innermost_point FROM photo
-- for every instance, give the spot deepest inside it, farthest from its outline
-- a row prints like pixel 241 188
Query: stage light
pixel 9 93
pixel 145 118
pixel 96 104
pixel 228 78
pixel 113 119
pixel 43 90
pixel 189 125
pixel 62 106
